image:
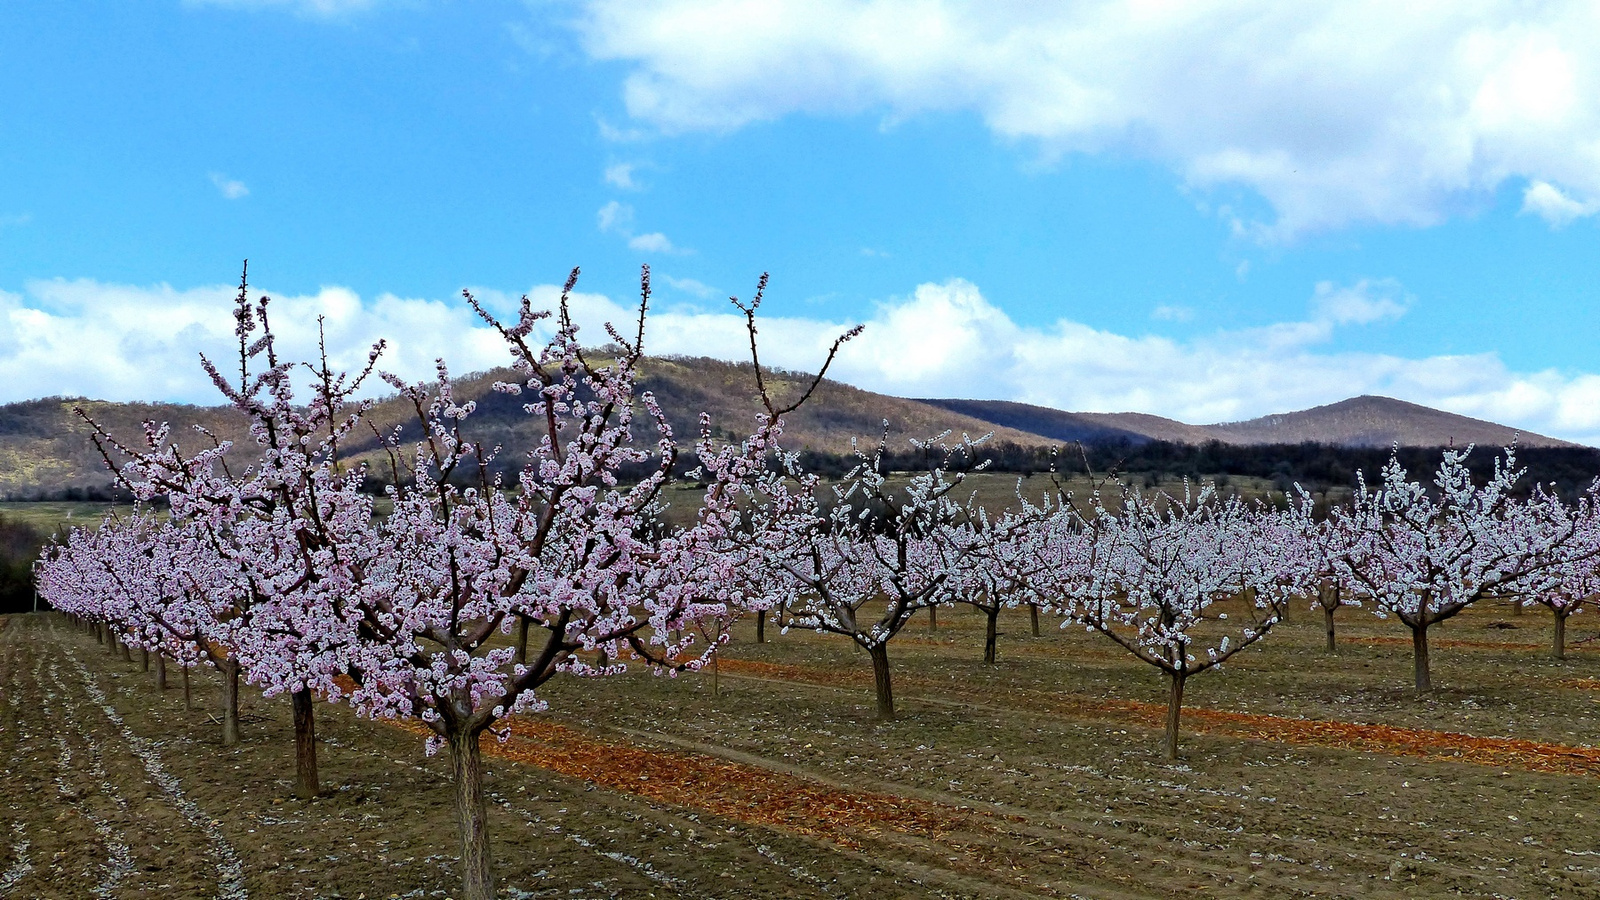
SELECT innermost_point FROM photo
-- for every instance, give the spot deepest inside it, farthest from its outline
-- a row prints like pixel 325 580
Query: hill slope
pixel 1365 421
pixel 46 450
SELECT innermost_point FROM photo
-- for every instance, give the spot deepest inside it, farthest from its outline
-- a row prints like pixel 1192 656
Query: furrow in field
pixel 942 842
pixel 230 871
pixel 84 786
pixel 1355 737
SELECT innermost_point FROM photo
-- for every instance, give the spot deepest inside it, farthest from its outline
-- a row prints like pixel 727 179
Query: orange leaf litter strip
pixel 1386 739
pixel 743 793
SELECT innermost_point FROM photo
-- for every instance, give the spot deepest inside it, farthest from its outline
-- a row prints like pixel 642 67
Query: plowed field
pixel 1303 774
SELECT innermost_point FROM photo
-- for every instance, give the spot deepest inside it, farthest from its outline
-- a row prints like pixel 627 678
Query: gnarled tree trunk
pixel 991 634
pixel 1419 657
pixel 933 618
pixel 230 701
pixel 161 671
pixel 1558 644
pixel 305 745
pixel 1327 618
pixel 521 658
pixel 472 817
pixel 880 681
pixel 1174 711
pixel 761 626
pixel 1033 617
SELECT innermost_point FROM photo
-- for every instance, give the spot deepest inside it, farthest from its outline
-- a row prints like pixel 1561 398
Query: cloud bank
pixel 1334 112
pixel 121 342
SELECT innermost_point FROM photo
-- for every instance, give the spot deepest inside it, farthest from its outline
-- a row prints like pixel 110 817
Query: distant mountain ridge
pixel 1365 421
pixel 45 450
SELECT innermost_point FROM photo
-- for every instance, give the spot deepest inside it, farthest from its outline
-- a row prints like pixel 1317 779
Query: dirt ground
pixel 1302 774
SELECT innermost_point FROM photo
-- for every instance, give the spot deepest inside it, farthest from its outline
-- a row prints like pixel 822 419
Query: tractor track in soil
pixel 1447 746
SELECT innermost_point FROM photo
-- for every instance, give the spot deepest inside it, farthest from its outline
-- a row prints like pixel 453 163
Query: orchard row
pixel 454 602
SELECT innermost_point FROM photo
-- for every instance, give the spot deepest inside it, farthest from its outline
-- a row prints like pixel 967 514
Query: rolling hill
pixel 1365 421
pixel 46 451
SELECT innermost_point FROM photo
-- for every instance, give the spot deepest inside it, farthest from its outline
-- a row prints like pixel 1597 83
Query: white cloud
pixel 1334 112
pixel 690 286
pixel 620 175
pixel 944 340
pixel 1368 300
pixel 1546 201
pixel 229 188
pixel 654 242
pixel 1168 313
pixel 617 218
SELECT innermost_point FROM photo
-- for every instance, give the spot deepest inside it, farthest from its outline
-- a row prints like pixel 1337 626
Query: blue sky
pixel 1204 214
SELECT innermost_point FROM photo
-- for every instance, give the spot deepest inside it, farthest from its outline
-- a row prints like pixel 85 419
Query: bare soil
pixel 1303 774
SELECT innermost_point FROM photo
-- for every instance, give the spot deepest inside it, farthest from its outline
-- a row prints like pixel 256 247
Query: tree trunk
pixel 1327 618
pixel 1174 712
pixel 100 634
pixel 1558 646
pixel 188 705
pixel 1516 605
pixel 761 626
pixel 990 634
pixel 127 654
pixel 472 817
pixel 305 745
pixel 933 618
pixel 230 702
pixel 521 658
pixel 1419 654
pixel 144 659
pixel 1033 617
pixel 161 672
pixel 880 680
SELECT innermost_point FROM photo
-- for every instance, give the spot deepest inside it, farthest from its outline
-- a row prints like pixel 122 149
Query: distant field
pixel 993 491
pixel 52 516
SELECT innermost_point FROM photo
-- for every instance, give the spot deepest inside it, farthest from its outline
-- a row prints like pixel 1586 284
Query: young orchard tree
pixel 570 551
pixel 864 564
pixel 1424 556
pixel 1159 563
pixel 1326 542
pixel 1004 564
pixel 160 585
pixel 292 524
pixel 1565 575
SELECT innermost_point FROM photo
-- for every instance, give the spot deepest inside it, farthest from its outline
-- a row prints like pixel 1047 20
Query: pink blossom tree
pixel 290 523
pixel 1149 572
pixel 867 555
pixel 568 553
pixel 1564 575
pixel 1424 556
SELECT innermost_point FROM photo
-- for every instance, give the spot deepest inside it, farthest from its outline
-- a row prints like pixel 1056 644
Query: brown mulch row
pixel 1357 737
pixel 748 794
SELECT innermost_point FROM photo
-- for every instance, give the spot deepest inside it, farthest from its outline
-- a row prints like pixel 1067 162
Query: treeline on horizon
pixel 1316 467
